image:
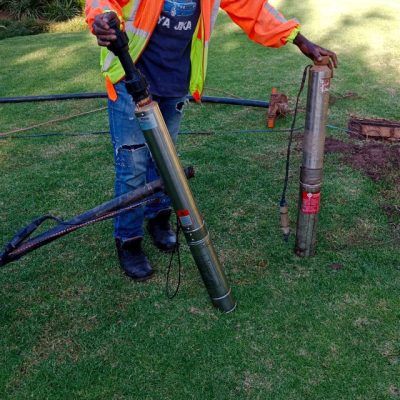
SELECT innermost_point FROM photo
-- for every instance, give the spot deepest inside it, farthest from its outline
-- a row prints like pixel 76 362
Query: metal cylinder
pixel 313 158
pixel 164 154
pixel 285 223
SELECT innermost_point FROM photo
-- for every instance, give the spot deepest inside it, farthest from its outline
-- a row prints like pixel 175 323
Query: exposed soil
pixel 376 159
pixel 381 162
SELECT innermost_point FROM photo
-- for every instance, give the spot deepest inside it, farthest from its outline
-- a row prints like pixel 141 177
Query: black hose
pixel 52 97
pixel 98 95
pixel 231 101
pixel 21 244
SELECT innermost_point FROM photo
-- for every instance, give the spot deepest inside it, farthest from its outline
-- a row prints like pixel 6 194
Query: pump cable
pixel 177 252
pixel 283 203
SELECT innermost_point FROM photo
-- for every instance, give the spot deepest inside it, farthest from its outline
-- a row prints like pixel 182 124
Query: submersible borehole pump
pixel 311 171
pixel 164 154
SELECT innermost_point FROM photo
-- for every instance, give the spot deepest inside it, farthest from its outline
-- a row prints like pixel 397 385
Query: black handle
pixel 135 82
pixel 121 44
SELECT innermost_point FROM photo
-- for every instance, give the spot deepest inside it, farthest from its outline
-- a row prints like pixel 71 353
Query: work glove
pixel 101 28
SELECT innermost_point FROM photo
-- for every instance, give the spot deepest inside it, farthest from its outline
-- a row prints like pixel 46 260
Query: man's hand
pixel 314 51
pixel 101 28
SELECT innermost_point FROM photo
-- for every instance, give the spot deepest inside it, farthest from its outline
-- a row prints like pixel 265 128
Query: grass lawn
pixel 73 326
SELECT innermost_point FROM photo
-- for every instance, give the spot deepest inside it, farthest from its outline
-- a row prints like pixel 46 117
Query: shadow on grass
pixel 368 60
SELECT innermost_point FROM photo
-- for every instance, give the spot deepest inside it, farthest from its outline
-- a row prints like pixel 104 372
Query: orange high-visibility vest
pixel 261 22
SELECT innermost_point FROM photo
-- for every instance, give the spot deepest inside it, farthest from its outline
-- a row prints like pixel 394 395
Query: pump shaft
pixel 313 158
pixel 197 236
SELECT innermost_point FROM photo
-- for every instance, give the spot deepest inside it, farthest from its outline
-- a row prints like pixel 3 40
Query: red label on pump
pixel 184 217
pixel 325 85
pixel 311 203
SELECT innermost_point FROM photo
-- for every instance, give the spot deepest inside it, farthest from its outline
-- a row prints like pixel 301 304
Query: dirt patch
pixel 377 160
pixel 334 97
pixel 381 162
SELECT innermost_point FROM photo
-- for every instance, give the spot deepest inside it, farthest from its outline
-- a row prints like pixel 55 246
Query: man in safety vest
pixel 168 41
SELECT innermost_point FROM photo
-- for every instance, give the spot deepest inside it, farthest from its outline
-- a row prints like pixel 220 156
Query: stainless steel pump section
pixel 164 154
pixel 313 158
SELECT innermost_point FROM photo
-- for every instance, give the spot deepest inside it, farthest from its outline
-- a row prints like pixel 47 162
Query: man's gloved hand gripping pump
pixel 164 154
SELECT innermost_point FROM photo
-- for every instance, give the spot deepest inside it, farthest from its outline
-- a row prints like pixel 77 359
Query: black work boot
pixel 133 260
pixel 160 230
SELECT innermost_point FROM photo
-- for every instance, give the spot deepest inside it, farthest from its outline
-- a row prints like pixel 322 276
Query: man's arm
pixel 313 51
pixel 260 21
pixel 265 25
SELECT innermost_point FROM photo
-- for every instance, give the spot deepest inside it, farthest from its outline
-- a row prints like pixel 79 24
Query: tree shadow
pixel 363 42
pixel 351 21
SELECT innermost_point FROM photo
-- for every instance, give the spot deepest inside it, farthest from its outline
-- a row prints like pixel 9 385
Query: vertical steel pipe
pixel 164 154
pixel 313 158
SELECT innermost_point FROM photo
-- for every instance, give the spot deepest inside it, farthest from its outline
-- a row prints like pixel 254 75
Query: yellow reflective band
pixel 113 70
pixel 198 58
pixel 293 35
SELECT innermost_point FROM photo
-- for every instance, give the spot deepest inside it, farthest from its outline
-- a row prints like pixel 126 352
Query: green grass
pixel 72 326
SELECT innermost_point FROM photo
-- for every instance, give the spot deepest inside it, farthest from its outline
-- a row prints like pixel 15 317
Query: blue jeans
pixel 134 165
